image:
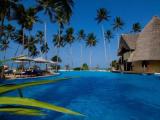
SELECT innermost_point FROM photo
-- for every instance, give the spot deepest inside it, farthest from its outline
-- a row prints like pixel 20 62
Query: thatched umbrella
pixel 23 58
pixel 40 60
pixel 51 62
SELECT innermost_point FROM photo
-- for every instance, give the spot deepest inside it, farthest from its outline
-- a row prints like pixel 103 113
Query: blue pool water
pixel 99 96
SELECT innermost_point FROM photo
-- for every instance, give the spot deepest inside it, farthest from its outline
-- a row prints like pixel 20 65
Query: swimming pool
pixel 99 96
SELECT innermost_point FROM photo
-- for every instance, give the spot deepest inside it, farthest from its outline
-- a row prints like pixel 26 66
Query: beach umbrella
pixel 24 58
pixel 17 61
pixel 40 60
pixel 51 62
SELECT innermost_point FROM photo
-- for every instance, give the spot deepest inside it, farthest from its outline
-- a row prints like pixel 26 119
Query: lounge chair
pixel 8 72
pixel 37 72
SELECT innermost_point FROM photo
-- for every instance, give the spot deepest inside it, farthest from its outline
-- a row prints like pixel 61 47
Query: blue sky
pixel 84 14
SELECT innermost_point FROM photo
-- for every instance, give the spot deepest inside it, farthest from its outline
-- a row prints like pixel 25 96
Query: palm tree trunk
pixel 4 54
pixel 15 54
pixel 117 41
pixel 46 42
pixel 23 40
pixel 105 49
pixel 71 56
pixel 2 22
pixel 109 57
pixel 81 54
pixel 2 25
pixel 59 35
pixel 3 19
pixel 90 58
pixel 57 59
pixel 28 41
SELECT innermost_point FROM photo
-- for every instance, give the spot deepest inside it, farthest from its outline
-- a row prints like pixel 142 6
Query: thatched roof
pixel 130 39
pixel 127 42
pixel 148 43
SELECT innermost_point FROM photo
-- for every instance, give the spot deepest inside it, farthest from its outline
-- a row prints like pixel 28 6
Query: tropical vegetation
pixel 103 15
pixel 136 27
pixel 35 44
pixel 91 42
pixel 85 67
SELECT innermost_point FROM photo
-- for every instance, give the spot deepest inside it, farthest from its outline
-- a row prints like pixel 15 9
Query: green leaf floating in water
pixel 23 111
pixel 6 88
pixel 35 103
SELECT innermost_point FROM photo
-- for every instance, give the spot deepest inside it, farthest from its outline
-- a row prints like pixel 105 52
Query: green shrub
pixel 77 69
pixel 85 67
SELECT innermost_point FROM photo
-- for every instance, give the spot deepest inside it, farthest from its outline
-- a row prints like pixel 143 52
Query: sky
pixel 84 13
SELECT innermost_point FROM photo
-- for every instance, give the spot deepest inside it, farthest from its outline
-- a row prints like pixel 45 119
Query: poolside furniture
pixel 8 72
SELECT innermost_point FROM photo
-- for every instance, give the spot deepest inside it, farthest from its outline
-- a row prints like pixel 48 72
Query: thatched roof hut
pixel 127 43
pixel 148 43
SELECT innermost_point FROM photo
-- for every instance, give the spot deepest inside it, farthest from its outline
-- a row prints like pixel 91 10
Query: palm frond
pixel 35 103
pixel 7 88
pixel 22 111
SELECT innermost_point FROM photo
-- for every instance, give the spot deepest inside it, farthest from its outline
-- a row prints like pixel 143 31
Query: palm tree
pixel 41 40
pixel 7 10
pixel 136 27
pixel 52 7
pixel 54 58
pixel 6 37
pixel 40 37
pixel 31 19
pixel 32 41
pixel 91 41
pixel 69 39
pixel 20 16
pixel 58 41
pixel 44 48
pixel 103 15
pixel 108 36
pixel 20 39
pixel 4 44
pixel 117 25
pixel 81 36
pixel 10 31
pixel 26 18
pixel 58 11
pixel 33 51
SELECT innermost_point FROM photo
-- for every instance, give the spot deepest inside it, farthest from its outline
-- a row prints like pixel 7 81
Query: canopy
pixel 51 62
pixel 18 61
pixel 24 58
pixel 40 60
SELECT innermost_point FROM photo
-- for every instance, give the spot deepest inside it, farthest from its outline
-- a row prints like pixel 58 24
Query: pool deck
pixel 12 77
pixel 134 72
